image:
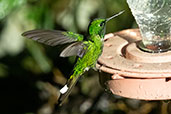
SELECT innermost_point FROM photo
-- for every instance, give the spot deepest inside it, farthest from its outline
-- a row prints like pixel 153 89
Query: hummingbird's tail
pixel 66 90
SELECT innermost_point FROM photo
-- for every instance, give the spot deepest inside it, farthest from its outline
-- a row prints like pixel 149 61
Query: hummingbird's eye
pixel 102 24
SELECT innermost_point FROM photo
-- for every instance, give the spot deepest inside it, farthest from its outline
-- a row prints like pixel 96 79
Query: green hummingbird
pixel 86 49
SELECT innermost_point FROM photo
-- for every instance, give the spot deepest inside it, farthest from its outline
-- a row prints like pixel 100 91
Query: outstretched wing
pixel 56 37
pixel 53 37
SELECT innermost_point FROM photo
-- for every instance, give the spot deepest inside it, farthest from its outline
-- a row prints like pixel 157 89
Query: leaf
pixel 6 6
pixel 39 56
pixel 11 41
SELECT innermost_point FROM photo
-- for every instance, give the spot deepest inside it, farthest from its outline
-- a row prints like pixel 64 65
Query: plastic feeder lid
pixel 134 73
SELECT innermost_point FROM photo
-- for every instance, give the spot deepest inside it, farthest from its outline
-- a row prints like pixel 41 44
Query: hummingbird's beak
pixel 114 16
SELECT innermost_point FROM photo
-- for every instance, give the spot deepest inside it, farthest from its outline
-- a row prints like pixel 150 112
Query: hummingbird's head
pixel 97 26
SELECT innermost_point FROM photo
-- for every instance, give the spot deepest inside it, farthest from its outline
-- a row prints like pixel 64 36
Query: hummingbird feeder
pixel 136 63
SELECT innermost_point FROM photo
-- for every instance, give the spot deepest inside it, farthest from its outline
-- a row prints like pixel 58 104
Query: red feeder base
pixel 129 72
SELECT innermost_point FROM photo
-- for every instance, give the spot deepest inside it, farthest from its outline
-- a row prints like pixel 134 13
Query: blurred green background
pixel 31 73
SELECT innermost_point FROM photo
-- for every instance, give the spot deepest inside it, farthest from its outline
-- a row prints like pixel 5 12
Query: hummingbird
pixel 87 49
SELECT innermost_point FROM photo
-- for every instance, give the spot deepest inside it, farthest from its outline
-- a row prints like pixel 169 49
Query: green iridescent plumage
pixel 87 49
pixel 72 35
pixel 95 27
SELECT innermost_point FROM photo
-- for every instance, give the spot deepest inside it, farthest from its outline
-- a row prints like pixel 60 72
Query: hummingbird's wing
pixel 77 48
pixel 53 37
